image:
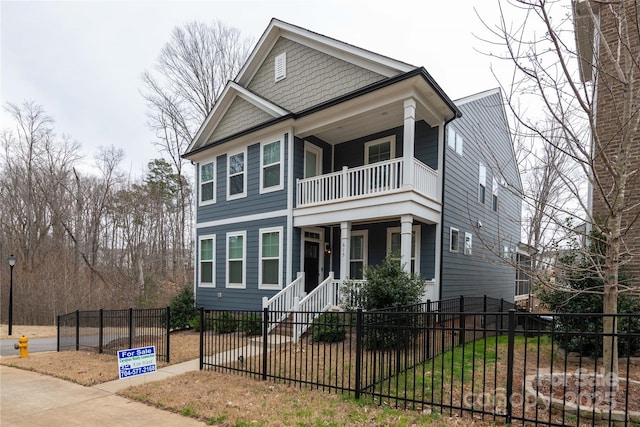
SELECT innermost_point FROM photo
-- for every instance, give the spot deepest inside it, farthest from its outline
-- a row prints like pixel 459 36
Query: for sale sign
pixel 136 361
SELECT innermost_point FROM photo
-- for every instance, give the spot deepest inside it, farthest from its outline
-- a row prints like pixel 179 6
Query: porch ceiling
pixel 373 112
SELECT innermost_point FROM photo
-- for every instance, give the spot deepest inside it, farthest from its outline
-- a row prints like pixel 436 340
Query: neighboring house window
pixel 312 160
pixel 280 66
pixel 468 244
pixel 271 161
pixel 270 258
pixel 236 183
pixel 454 140
pixel 506 253
pixel 358 256
pixel 380 150
pixel 207 183
pixel 394 246
pixel 236 259
pixel 494 191
pixel 454 239
pixel 482 183
pixel 207 269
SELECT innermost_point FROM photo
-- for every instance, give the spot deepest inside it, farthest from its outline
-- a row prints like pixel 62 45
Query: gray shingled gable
pixel 313 77
pixel 239 116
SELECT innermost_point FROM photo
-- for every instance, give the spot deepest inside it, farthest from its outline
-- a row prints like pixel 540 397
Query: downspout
pixel 457 114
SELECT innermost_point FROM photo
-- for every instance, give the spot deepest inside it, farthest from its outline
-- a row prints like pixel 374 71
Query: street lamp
pixel 12 262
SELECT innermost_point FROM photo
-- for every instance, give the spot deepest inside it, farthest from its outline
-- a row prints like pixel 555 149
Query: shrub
pixel 251 324
pixel 225 323
pixel 328 327
pixel 183 309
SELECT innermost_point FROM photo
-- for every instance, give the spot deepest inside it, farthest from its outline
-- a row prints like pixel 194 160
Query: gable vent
pixel 281 66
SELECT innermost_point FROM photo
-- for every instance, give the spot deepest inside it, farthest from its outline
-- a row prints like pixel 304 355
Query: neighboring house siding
pixel 239 116
pixel 223 298
pixel 254 202
pixel 312 77
pixel 486 139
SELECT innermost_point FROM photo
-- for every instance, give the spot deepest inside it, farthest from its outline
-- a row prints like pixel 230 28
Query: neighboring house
pixel 616 106
pixel 323 157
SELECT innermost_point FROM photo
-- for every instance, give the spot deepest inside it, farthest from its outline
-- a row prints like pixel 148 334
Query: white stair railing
pixel 283 303
pixel 325 296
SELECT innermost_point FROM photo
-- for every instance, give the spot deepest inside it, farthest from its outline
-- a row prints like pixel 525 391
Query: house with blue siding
pixel 322 158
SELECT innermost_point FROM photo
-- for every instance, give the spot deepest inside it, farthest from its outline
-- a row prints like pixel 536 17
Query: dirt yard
pixel 221 399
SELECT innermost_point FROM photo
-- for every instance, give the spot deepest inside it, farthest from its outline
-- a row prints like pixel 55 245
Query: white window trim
pixel 482 181
pixel 213 261
pixel 365 247
pixel 455 141
pixel 318 152
pixel 468 250
pixel 416 231
pixel 280 232
pixel 280 62
pixel 244 175
pixel 451 230
pixel 242 285
pixel 280 185
pixel 212 201
pixel 369 144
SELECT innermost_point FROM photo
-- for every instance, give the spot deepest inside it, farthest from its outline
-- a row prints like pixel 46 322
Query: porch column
pixel 345 249
pixel 406 225
pixel 409 141
pixel 435 295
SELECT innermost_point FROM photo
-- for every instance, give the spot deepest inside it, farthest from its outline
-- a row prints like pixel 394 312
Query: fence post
pixel 58 340
pixel 510 351
pixel 265 346
pixel 358 379
pixel 399 343
pixel 100 331
pixel 201 338
pixel 131 328
pixel 169 334
pixel 428 331
pixel 77 330
pixel 462 325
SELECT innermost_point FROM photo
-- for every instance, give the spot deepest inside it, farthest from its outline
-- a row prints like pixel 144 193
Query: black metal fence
pixel 107 331
pixel 512 367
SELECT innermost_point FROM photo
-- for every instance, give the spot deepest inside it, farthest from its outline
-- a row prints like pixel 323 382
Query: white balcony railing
pixel 369 180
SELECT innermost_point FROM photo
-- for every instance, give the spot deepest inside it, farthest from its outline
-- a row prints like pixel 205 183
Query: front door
pixel 311 263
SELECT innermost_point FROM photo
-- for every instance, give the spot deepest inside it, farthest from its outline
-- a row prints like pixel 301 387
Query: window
pixel 236 256
pixel 506 253
pixel 280 65
pixel 207 183
pixel 270 258
pixel 454 140
pixel 482 183
pixel 494 191
pixel 207 269
pixel 380 150
pixel 271 161
pixel 394 246
pixel 468 244
pixel 236 171
pixel 454 239
pixel 358 255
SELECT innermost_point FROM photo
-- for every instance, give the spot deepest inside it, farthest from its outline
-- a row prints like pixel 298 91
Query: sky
pixel 82 61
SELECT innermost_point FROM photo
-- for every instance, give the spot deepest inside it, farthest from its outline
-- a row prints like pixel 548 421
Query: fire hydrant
pixel 23 345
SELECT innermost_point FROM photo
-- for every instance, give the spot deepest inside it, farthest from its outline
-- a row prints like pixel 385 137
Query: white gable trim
pixel 231 91
pixel 372 61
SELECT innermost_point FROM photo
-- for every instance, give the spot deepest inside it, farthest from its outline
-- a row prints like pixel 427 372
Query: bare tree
pixel 191 72
pixel 574 104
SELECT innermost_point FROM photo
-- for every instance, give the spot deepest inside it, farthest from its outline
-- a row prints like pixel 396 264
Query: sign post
pixel 136 361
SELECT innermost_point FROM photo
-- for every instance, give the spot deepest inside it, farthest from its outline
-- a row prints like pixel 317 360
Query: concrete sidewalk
pixel 32 399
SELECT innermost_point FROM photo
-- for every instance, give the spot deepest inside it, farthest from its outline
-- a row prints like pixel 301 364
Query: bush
pixel 252 324
pixel 328 327
pixel 389 287
pixel 183 309
pixel 225 323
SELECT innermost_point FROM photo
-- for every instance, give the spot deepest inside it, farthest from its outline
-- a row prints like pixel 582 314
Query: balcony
pixel 367 181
